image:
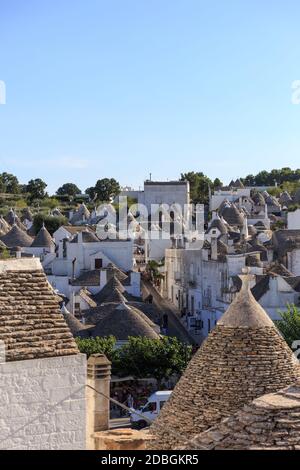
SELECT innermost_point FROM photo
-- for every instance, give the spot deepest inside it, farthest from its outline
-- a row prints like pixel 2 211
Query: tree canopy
pixel 141 357
pixel 36 189
pixel 273 177
pixel 9 183
pixel 104 190
pixel 52 223
pixel 289 324
pixel 68 189
pixel 199 186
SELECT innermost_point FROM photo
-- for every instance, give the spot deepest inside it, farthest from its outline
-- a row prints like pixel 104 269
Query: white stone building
pixel 202 283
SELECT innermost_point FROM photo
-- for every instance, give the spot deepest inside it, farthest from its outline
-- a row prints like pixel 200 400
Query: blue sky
pixel 121 88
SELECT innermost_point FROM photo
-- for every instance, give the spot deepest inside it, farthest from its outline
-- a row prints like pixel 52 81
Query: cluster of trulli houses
pixel 248 230
pixel 93 277
pixel 241 389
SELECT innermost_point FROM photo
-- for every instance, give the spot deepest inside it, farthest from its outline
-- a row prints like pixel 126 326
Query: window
pixel 192 305
pixel 208 324
pixel 98 263
pixel 64 248
pixel 150 407
pixel 172 216
pixel 77 307
pixel 161 404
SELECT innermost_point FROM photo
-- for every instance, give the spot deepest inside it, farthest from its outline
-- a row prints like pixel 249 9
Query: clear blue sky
pixel 121 88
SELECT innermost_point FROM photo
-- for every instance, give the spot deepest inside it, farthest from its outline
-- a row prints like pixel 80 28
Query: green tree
pixel 249 180
pixel 289 324
pixel 141 357
pixel 199 186
pixel 4 253
pixel 69 189
pixel 153 269
pixel 9 183
pixel 50 202
pixel 217 183
pixel 91 191
pixel 52 223
pixel 36 189
pixel 157 358
pixel 98 345
pixel 273 177
pixel 104 190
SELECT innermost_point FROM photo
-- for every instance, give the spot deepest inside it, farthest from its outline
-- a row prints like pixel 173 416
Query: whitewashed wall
pixel 166 193
pixel 156 248
pixel 42 403
pixel 219 196
pixel 294 262
pixel 294 220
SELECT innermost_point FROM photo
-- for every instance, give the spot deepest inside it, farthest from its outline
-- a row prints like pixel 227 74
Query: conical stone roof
pixel 258 199
pixel 113 270
pixel 43 238
pixel 115 295
pixel 111 286
pixel 123 321
pixel 238 184
pixel 81 214
pixel 219 224
pixel 285 198
pixel 243 358
pixel 27 214
pixel 16 237
pixel 233 216
pixel 76 327
pixel 13 219
pixel 270 422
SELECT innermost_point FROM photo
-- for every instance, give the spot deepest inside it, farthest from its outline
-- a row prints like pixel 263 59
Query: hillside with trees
pixel 34 193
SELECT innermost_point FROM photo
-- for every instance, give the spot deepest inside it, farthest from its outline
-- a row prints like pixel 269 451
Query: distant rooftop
pixel 165 183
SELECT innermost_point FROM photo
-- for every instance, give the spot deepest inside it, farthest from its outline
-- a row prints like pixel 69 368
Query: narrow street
pixel 166 308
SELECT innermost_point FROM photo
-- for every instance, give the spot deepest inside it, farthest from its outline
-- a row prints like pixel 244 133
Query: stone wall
pixel 42 403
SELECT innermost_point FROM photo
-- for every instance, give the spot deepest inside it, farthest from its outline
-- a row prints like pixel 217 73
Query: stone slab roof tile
pixel 31 324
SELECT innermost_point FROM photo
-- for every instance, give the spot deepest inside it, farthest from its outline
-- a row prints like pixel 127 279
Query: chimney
pixel 73 268
pixel 266 212
pixel 245 233
pixel 98 377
